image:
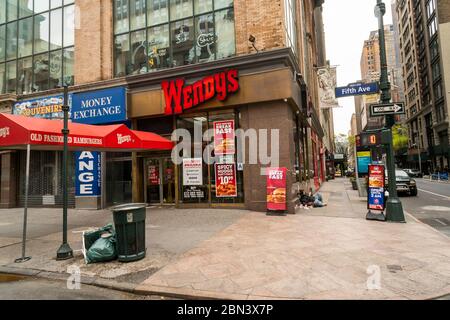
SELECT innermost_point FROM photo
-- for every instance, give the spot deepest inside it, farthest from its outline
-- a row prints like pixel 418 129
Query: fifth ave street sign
pixel 378 110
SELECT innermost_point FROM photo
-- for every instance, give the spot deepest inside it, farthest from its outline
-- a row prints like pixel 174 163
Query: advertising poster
pixel 276 189
pixel 192 172
pixel 153 175
pixel 226 180
pixel 376 199
pixel 224 138
pixel 364 159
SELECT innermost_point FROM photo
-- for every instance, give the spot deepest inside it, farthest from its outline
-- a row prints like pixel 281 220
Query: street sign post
pixel 384 109
pixel 357 89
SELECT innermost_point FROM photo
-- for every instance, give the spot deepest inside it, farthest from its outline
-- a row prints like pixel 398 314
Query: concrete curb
pixel 168 292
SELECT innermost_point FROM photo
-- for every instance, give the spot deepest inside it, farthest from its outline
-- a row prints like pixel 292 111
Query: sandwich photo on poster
pixel 276 189
pixel 226 180
pixel 224 138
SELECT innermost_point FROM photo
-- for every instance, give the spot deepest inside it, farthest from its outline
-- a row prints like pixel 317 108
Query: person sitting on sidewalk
pixel 318 199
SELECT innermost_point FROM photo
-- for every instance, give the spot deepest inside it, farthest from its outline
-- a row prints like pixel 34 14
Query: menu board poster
pixel 224 138
pixel 375 194
pixel 192 172
pixel 276 189
pixel 193 192
pixel 153 175
pixel 226 180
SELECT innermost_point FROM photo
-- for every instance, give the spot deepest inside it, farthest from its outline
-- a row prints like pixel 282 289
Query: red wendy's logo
pixel 180 97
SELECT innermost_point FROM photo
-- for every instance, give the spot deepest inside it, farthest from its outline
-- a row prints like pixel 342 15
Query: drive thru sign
pixel 378 110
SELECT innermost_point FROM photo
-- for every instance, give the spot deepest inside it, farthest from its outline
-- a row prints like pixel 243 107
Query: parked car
pixel 413 173
pixel 405 184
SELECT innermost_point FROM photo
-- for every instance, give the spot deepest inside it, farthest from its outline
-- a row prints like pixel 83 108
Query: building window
pixel 34 36
pixel 157 34
pixel 431 8
pixel 291 25
pixel 432 27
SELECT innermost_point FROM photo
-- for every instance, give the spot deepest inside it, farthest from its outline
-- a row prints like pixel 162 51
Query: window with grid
pixel 157 34
pixel 36 44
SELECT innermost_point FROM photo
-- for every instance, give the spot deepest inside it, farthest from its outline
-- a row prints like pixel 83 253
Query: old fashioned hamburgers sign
pixel 180 97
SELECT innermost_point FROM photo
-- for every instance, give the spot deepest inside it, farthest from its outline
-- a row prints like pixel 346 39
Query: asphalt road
pixel 432 205
pixel 12 288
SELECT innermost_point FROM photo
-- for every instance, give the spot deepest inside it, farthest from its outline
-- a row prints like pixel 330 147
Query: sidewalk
pixel 322 253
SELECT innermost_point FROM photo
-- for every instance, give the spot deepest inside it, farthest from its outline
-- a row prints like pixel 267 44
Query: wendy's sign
pixel 180 97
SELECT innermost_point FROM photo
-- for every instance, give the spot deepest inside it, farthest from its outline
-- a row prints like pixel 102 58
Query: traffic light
pixel 367 139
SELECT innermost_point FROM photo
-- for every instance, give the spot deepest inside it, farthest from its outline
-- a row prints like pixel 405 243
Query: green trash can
pixel 129 223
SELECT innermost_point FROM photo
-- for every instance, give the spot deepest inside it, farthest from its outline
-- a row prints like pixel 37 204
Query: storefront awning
pixel 16 132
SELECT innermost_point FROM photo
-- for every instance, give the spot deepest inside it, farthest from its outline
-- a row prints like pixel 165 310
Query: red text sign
pixel 224 138
pixel 226 180
pixel 276 189
pixel 180 97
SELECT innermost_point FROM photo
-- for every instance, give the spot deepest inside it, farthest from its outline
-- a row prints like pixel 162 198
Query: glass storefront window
pixel 31 29
pixel 199 31
pixel 118 178
pixel 158 47
pixel 41 72
pixel 138 52
pixel 206 41
pixel 122 49
pixel 25 75
pixel 225 35
pixel 206 193
pixel 183 47
pixel 157 12
pixel 137 14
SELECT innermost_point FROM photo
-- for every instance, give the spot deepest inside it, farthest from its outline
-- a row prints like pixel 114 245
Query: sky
pixel 347 24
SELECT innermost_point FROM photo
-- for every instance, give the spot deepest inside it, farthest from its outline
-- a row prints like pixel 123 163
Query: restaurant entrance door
pixel 159 182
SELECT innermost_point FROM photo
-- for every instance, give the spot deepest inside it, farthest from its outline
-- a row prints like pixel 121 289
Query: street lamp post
pixel 394 209
pixel 65 252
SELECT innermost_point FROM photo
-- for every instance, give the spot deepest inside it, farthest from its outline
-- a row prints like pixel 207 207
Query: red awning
pixel 16 132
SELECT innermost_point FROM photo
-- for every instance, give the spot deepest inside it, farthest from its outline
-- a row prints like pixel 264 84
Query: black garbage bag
pixel 104 249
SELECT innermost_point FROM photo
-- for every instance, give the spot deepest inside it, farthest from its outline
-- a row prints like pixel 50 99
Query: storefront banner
pixel 192 172
pixel 364 159
pixel 276 189
pixel 225 180
pixel 327 86
pixel 46 108
pixel 153 175
pixel 376 199
pixel 224 138
pixel 101 106
pixel 88 174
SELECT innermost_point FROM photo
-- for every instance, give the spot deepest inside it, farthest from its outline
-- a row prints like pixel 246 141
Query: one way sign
pixel 378 110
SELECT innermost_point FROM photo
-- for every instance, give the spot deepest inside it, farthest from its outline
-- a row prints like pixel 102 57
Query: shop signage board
pixel 226 186
pixel 88 174
pixel 364 159
pixel 46 107
pixel 153 175
pixel 180 97
pixel 192 172
pixel 100 106
pixel 224 138
pixel 376 198
pixel 380 110
pixel 276 189
pixel 357 89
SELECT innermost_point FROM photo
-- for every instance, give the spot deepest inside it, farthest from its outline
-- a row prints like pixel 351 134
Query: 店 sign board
pixel 88 174
pixel 180 97
pixel 357 89
pixel 101 106
pixel 378 110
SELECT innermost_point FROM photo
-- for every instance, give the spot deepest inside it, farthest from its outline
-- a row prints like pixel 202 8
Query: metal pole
pixel 25 210
pixel 394 209
pixel 65 252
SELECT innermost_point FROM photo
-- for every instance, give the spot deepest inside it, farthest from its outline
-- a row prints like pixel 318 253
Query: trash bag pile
pixel 100 245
